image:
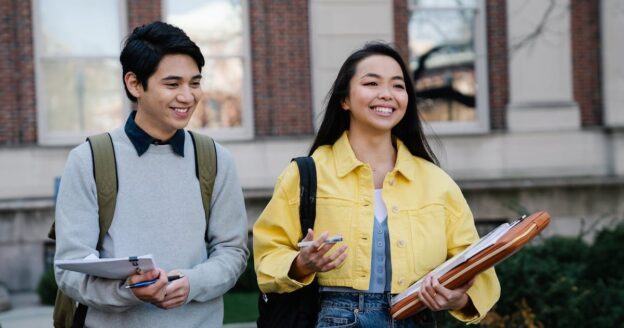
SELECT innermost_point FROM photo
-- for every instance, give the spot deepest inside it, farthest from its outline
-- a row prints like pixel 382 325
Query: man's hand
pixel 312 258
pixel 177 293
pixel 437 297
pixel 155 292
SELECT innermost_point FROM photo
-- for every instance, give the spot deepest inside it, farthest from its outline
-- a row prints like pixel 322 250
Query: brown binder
pixel 520 233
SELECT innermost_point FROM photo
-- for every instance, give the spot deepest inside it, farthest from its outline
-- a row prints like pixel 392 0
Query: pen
pixel 153 281
pixel 330 240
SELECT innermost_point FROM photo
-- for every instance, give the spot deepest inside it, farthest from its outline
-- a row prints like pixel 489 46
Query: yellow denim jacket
pixel 429 221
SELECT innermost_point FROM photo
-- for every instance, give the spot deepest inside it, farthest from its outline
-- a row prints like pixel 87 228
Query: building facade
pixel 523 98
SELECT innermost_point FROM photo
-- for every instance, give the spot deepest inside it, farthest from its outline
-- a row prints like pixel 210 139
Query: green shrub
pixel 604 253
pixel 47 287
pixel 563 282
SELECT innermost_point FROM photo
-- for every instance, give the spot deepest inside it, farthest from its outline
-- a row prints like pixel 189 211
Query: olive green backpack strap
pixel 66 314
pixel 205 169
pixel 105 173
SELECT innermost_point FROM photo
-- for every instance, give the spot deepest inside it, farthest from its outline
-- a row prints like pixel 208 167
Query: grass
pixel 240 307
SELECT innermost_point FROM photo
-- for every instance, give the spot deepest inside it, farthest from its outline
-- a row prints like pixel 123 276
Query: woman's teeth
pixel 385 110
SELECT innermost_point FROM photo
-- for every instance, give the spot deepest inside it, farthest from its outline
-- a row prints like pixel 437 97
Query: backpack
pixel 299 308
pixel 67 313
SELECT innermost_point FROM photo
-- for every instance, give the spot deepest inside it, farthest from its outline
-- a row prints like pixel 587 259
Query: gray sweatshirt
pixel 159 211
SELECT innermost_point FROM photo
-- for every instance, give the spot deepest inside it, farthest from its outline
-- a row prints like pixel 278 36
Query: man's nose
pixel 185 95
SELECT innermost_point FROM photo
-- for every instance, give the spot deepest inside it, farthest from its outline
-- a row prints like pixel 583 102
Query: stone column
pixel 540 69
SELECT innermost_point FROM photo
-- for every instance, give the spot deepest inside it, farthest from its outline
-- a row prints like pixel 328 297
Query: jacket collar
pixel 347 162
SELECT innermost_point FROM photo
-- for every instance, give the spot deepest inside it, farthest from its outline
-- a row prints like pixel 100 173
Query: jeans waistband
pixel 360 300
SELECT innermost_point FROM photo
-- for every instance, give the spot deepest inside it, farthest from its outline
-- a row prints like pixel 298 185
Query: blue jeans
pixel 353 309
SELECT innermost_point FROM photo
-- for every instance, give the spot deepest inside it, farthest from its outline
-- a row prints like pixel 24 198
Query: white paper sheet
pixel 112 268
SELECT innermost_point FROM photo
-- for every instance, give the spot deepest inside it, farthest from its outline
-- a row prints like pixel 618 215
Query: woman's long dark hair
pixel 336 120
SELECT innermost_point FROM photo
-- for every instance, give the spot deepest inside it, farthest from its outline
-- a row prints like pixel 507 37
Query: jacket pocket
pixel 336 218
pixel 428 228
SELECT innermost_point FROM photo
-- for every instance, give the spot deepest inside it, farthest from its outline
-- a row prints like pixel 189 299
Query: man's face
pixel 171 97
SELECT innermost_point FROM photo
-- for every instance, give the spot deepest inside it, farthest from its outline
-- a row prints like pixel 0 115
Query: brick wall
pixel 586 59
pixel 401 19
pixel 498 61
pixel 142 12
pixel 18 118
pixel 18 114
pixel 281 67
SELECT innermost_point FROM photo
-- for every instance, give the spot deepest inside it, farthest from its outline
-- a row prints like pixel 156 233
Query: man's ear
pixel 133 84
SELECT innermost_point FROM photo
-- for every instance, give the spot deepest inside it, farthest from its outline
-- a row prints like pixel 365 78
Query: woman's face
pixel 377 96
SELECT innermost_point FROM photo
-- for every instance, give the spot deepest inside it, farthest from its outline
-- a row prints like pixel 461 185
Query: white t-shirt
pixel 380 208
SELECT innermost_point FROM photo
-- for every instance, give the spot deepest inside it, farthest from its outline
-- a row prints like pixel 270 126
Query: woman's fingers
pixel 335 259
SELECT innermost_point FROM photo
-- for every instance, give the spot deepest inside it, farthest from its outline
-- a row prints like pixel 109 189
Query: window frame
pixel 246 130
pixel 482 124
pixel 45 137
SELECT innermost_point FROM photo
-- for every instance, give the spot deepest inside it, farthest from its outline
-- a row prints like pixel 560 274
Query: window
pixel 448 63
pixel 219 27
pixel 79 89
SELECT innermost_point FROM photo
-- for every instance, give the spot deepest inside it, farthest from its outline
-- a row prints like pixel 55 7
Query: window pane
pixel 82 95
pixel 442 59
pixel 217 28
pixel 222 83
pixel 215 25
pixel 79 27
pixel 444 3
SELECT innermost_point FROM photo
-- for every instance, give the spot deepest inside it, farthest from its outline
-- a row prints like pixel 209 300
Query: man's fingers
pixel 133 279
pixel 171 301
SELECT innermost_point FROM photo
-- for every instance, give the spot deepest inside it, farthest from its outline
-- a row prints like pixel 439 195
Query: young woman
pixel 379 187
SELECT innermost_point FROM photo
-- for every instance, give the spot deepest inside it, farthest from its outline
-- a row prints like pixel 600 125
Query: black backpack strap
pixel 298 309
pixel 205 169
pixel 80 316
pixel 307 192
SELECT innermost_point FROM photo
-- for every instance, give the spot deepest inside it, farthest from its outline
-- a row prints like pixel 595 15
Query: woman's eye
pixel 400 86
pixel 371 83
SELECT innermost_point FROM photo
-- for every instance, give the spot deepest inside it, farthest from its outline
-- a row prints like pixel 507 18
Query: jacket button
pixel 401 281
pixel 395 209
pixel 391 182
pixel 401 243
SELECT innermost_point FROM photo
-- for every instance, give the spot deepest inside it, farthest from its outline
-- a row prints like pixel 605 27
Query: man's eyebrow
pixel 176 78
pixel 375 75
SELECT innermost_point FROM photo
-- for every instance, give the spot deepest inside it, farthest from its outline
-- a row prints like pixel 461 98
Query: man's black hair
pixel 146 46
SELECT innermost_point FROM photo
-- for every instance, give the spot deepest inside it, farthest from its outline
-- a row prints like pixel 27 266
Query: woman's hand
pixel 312 258
pixel 437 297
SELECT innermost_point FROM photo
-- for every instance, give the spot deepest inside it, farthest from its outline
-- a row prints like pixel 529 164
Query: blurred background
pixel 523 102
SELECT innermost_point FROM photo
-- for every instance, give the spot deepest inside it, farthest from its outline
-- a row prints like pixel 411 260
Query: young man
pixel 159 207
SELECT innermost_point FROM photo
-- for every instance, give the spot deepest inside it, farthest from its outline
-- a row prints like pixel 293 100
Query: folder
pixel 111 268
pixel 490 250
